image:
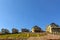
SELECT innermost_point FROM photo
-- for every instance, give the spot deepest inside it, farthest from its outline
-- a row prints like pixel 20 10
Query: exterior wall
pixel 55 30
pixel 36 30
pixel 52 29
pixel 48 29
pixel 33 30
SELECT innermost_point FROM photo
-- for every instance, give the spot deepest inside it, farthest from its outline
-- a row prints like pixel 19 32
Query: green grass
pixel 22 35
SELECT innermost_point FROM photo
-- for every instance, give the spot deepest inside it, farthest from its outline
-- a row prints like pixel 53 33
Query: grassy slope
pixel 22 35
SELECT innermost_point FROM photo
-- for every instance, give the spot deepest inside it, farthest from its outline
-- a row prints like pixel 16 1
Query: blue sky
pixel 27 13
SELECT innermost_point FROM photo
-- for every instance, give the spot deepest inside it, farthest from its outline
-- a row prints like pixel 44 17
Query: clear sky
pixel 27 13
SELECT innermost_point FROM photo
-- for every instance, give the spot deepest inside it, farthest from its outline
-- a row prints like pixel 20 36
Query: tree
pixel 24 30
pixel 14 30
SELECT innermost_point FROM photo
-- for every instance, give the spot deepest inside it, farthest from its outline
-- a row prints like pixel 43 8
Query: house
pixel 25 30
pixel 53 28
pixel 36 29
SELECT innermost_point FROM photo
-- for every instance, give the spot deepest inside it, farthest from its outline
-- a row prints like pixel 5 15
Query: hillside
pixel 21 35
pixel 46 37
pixel 30 36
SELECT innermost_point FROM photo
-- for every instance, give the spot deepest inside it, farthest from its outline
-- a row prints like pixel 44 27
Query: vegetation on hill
pixel 22 35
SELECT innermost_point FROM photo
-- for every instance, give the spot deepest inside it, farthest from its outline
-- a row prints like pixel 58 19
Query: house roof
pixel 54 25
pixel 36 27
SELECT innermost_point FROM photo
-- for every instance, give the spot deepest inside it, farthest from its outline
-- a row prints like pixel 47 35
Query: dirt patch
pixel 47 37
pixel 53 39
